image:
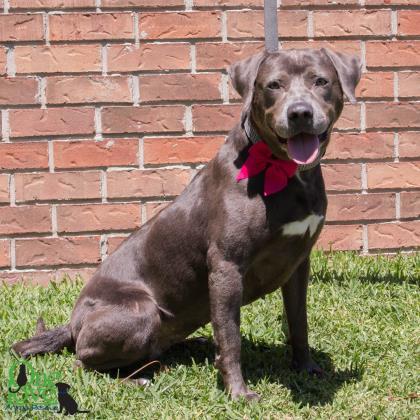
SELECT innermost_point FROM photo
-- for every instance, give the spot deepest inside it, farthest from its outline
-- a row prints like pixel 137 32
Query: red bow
pixel 278 171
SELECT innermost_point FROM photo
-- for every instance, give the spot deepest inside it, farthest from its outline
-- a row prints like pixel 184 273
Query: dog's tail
pixel 45 341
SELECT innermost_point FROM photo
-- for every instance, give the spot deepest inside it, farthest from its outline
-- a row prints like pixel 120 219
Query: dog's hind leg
pixel 116 336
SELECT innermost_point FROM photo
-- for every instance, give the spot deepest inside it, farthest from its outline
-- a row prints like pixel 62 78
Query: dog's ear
pixel 242 75
pixel 349 71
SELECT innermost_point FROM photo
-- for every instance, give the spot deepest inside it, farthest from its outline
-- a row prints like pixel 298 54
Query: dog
pixel 242 228
pixel 66 401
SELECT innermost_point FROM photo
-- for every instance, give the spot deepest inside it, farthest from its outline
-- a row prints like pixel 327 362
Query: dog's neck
pixel 253 137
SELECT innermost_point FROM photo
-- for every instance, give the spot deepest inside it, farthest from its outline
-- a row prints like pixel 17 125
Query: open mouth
pixel 303 148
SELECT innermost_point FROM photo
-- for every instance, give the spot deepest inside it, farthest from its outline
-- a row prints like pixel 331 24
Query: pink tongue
pixel 303 148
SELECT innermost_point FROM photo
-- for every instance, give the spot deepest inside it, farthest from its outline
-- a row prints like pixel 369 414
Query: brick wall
pixel 109 107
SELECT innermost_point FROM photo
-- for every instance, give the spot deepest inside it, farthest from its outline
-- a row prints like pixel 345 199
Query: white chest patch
pixel 300 227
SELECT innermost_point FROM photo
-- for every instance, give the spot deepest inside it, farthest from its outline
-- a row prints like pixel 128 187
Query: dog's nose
pixel 300 113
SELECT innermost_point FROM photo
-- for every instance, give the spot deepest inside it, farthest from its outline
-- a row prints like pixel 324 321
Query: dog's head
pixel 62 387
pixel 294 97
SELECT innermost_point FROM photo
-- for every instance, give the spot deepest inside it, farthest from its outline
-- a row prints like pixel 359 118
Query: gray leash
pixel 271 26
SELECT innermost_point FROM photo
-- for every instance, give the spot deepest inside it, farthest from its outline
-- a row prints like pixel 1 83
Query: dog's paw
pixel 309 367
pixel 245 393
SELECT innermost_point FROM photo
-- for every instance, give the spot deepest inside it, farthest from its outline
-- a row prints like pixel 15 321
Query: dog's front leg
pixel 294 298
pixel 225 288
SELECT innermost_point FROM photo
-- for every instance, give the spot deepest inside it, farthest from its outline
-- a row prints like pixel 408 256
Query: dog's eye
pixel 275 84
pixel 320 81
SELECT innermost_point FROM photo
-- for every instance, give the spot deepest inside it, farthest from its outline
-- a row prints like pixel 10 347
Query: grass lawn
pixel 364 331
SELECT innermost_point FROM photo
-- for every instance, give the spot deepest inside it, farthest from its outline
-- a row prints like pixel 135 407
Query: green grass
pixel 364 331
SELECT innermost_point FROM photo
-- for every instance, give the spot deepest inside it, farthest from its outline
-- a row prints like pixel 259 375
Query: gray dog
pixel 243 228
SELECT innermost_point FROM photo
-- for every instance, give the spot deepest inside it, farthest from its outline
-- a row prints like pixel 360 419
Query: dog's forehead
pixel 294 62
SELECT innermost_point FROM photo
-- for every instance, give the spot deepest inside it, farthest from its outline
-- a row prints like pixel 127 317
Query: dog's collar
pixel 253 137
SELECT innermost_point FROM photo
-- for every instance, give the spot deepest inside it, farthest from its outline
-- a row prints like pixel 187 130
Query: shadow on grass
pixel 261 360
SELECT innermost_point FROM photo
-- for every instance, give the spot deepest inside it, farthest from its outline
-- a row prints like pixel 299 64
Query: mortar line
pixel 98 124
pixel 136 30
pixel 98 6
pixel 224 88
pixel 6 6
pixel 134 85
pixel 10 62
pixel 141 153
pixel 54 226
pixel 396 86
pixel 362 117
pixel 193 58
pixel 104 187
pixel 224 26
pixel 42 92
pixel 46 27
pixel 51 156
pixel 103 246
pixel 396 148
pixel 310 27
pixel 5 129
pixel 364 178
pixel 143 214
pixel 397 206
pixel 188 5
pixel 394 24
pixel 188 123
pixel 363 55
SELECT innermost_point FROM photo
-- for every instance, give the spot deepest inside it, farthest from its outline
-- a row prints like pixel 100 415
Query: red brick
pixel 340 238
pixel 346 47
pixel 394 235
pixel 28 155
pixel 346 207
pixel 218 55
pixel 181 149
pixel 392 2
pixel 180 25
pixel 91 26
pixel 98 217
pixel 4 188
pixel 392 114
pixel 410 204
pixel 153 208
pixel 46 252
pixel 180 87
pixel 2 61
pixel 57 186
pixel 4 254
pixel 409 146
pixel 148 57
pixel 114 242
pixel 147 183
pixel 57 59
pixel 52 121
pixel 393 175
pixel 114 4
pixel 342 177
pixel 408 22
pixel 91 154
pixel 409 84
pixel 18 91
pixel 87 89
pixel 347 23
pixel 250 24
pixel 21 27
pixel 25 219
pixel 50 4
pixel 143 119
pixel 360 146
pixel 393 54
pixel 228 3
pixel 350 118
pixel 217 118
pixel 306 3
pixel 376 85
